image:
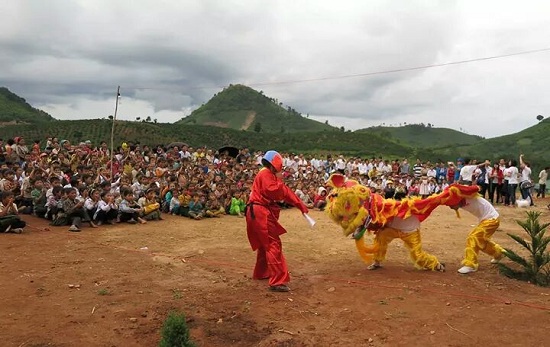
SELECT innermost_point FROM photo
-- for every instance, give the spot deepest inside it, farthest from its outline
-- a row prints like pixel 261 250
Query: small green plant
pixel 103 291
pixel 175 332
pixel 535 267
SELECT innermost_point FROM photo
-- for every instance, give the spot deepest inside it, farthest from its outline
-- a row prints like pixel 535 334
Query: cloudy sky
pixel 170 56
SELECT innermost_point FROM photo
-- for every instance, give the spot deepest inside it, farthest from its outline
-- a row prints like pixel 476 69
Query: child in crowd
pixel 74 211
pixel 91 202
pixel 54 203
pixel 213 207
pixel 150 205
pixel 107 210
pixel 9 219
pixel 129 210
pixel 320 199
pixel 38 195
pixel 196 209
pixel 237 205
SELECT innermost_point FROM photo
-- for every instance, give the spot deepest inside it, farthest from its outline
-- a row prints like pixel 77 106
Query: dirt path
pixel 114 286
pixel 249 120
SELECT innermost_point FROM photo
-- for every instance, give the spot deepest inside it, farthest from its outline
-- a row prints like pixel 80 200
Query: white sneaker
pixel 17 230
pixel 374 266
pixel 495 260
pixel 466 270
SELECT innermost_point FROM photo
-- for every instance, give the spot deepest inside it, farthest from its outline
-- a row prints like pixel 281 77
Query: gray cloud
pixel 170 57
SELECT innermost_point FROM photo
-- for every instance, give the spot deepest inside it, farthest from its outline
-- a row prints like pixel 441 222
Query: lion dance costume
pixel 362 213
pixel 262 225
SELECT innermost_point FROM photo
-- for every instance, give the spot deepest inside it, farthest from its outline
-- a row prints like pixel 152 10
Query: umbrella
pixel 230 151
pixel 177 144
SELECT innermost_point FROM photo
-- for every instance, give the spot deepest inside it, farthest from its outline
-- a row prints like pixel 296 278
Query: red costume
pixel 263 227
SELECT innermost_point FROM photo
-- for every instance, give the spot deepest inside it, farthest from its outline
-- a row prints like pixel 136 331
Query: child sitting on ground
pixel 107 210
pixel 54 203
pixel 74 210
pixel 213 207
pixel 39 198
pixel 237 205
pixel 90 204
pixel 129 210
pixel 196 209
pixel 150 205
pixel 320 199
pixel 9 219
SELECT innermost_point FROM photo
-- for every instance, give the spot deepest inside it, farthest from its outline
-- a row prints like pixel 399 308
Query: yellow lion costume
pixel 361 213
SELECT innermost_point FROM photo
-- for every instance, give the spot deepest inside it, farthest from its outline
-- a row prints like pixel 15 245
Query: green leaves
pixel 535 267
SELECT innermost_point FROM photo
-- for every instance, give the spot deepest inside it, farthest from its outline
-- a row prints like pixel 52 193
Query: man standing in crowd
pixel 543 178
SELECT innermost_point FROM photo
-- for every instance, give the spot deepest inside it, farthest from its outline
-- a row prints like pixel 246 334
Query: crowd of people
pixel 71 184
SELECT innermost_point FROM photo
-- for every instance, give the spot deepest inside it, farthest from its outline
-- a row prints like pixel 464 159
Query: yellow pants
pixel 479 240
pixel 412 241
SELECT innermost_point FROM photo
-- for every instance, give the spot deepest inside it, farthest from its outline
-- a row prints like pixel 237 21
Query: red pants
pixel 271 263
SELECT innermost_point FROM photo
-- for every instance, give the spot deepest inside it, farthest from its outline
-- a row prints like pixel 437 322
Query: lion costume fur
pixel 360 212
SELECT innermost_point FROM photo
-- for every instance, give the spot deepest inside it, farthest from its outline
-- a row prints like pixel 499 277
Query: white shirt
pixel 467 172
pixel 512 174
pixel 525 174
pixel 481 208
pixel 543 177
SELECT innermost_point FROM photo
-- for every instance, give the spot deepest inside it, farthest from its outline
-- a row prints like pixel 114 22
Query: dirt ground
pixel 114 286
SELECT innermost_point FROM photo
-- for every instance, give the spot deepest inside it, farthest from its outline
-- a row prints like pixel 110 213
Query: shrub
pixel 535 267
pixel 175 332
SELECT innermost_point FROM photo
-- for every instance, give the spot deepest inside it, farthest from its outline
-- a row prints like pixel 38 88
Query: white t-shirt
pixel 512 174
pixel 480 208
pixel 467 172
pixel 525 174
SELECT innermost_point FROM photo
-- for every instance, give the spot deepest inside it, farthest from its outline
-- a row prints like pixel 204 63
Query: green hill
pixel 420 135
pixel 97 130
pixel 532 142
pixel 242 108
pixel 14 109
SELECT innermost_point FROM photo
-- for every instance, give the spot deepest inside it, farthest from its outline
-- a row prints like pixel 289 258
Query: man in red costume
pixel 262 225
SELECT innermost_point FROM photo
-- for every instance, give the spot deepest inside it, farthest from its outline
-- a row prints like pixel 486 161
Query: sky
pixel 67 57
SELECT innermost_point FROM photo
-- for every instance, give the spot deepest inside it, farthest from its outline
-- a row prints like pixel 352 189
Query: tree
pixel 342 129
pixel 326 122
pixel 138 118
pixel 540 117
pixel 535 267
pixel 258 127
pixel 155 121
pixel 110 117
pixel 148 119
pixel 175 332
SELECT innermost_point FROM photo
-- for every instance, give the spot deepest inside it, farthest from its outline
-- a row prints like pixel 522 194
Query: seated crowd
pixel 74 184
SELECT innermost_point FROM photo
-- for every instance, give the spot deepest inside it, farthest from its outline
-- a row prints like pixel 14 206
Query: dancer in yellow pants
pixel 479 238
pixel 408 230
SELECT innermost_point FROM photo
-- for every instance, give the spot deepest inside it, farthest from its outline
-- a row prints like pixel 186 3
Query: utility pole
pixel 113 131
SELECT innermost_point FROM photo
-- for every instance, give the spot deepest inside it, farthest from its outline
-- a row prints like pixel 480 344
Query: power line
pixel 366 74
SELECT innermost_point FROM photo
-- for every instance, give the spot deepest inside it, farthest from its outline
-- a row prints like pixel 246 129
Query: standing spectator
pixel 525 184
pixel 495 184
pixel 512 173
pixel 417 169
pixel 404 168
pixel 543 178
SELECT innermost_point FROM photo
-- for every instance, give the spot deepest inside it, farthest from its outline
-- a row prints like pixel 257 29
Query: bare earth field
pixel 114 286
